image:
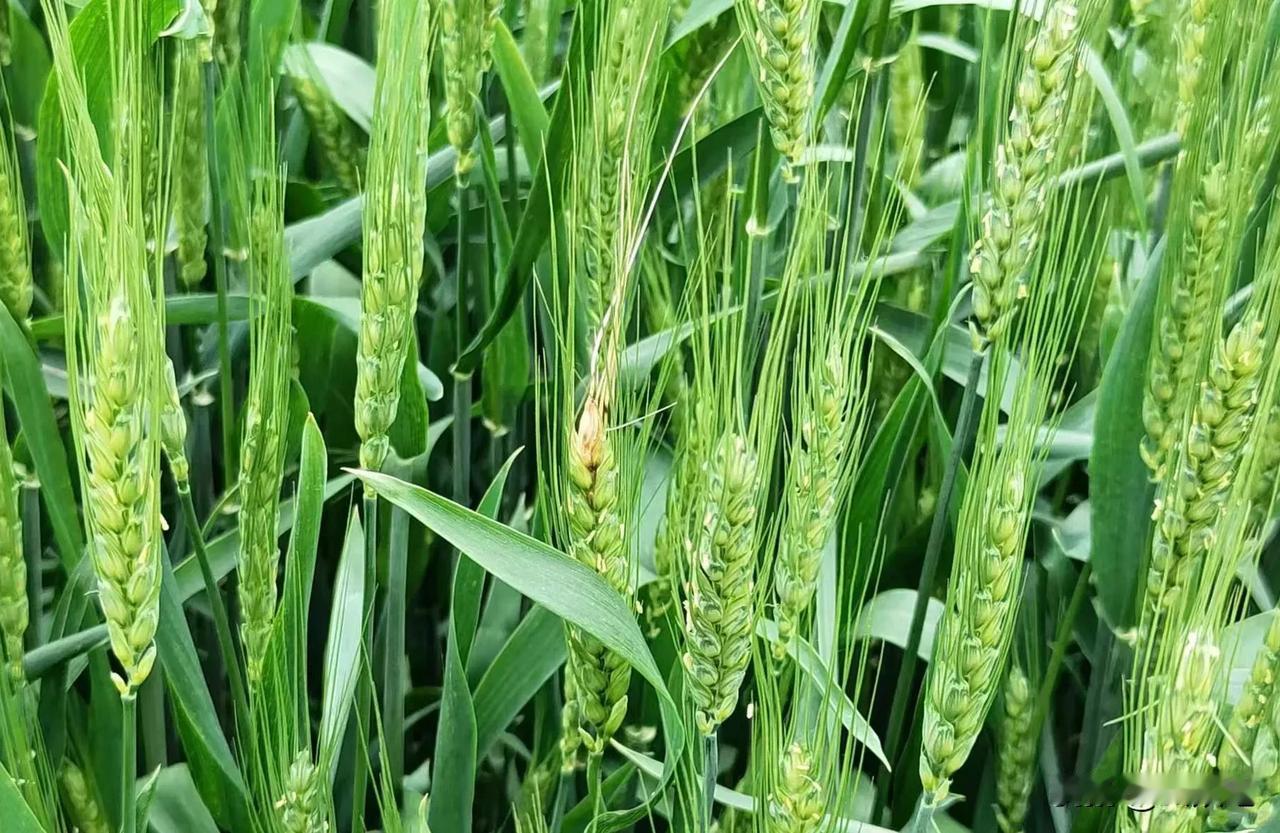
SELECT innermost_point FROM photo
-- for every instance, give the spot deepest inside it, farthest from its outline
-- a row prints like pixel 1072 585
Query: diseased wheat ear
pixel 1015 758
pixel 600 677
pixel 1011 228
pixel 719 614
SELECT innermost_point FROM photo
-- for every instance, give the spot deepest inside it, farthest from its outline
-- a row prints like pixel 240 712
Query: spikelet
pixel 191 170
pixel 1015 758
pixel 570 738
pixel 719 614
pixel 114 344
pixel 173 431
pixel 15 252
pixel 1011 228
pixel 394 221
pixel 466 36
pixel 263 436
pixel 331 129
pixel 817 464
pixel 302 807
pixel 14 612
pixel 600 676
pixel 83 809
pixel 1190 502
pixel 799 800
pixel 1254 707
pixel 780 37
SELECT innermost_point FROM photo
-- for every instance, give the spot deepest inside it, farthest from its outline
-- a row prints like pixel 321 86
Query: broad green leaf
pixel 887 617
pixel 213 768
pixel 454 777
pixel 534 652
pixel 177 807
pixel 24 383
pixel 809 662
pixel 567 588
pixel 30 69
pixel 17 816
pixel 289 637
pixel 1120 488
pixel 531 119
pixel 348 78
pixel 92 44
pixel 1097 72
pixel 342 657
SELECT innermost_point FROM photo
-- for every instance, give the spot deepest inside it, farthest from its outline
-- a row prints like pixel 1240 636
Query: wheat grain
pixel 191 172
pixel 817 465
pixel 331 129
pixel 1253 708
pixel 173 430
pixel 1190 502
pixel 266 410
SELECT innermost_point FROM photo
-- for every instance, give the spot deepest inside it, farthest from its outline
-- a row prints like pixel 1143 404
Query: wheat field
pixel 584 416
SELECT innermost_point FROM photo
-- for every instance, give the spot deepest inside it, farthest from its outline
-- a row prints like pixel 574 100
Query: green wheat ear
pixel 1015 773
pixel 14 608
pixel 78 797
pixel 15 253
pixel 466 37
pixel 1024 164
pixel 115 319
pixel 780 35
pixel 266 409
pixel 395 210
pixel 191 173
pixel 329 125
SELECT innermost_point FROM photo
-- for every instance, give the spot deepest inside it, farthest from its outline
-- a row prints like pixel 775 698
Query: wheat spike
pixel 1015 761
pixel 719 614
pixel 466 37
pixel 1011 228
pixel 394 222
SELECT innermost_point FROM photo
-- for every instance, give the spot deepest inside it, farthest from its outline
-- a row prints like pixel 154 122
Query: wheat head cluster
pixel 587 416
